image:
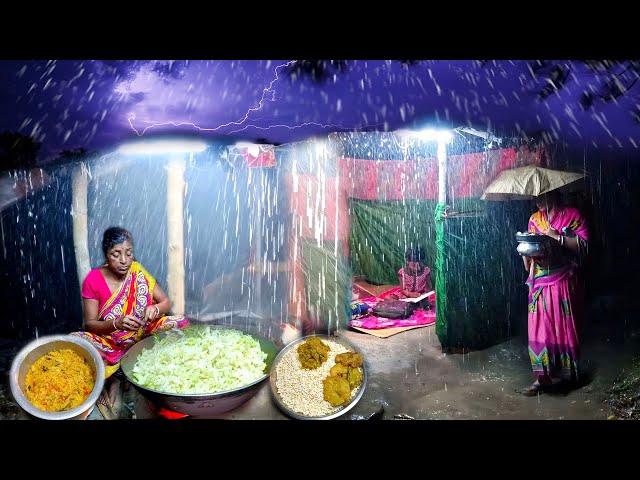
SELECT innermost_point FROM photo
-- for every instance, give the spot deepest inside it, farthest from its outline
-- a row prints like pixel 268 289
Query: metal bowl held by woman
pixel 205 403
pixel 532 244
pixel 300 393
pixel 35 351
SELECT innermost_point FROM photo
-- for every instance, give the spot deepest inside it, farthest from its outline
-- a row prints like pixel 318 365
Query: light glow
pixel 159 147
pixel 428 135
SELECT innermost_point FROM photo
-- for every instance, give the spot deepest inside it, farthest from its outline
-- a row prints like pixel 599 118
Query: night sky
pixel 98 104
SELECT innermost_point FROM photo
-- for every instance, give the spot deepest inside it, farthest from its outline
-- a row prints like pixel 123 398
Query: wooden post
pixel 175 233
pixel 79 211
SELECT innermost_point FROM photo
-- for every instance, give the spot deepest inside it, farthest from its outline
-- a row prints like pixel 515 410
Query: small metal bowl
pixel 274 377
pixel 531 237
pixel 201 405
pixel 37 348
pixel 530 249
pixel 532 244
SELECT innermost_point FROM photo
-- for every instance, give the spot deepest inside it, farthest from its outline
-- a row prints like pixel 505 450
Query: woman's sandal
pixel 537 388
pixel 533 390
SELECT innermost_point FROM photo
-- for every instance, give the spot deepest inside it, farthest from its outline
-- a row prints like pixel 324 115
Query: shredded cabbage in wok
pixel 202 360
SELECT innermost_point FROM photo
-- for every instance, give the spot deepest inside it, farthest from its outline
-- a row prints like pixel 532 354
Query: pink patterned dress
pixel 419 282
pixel 555 300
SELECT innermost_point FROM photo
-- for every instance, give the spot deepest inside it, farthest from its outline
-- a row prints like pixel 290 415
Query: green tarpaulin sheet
pixel 477 273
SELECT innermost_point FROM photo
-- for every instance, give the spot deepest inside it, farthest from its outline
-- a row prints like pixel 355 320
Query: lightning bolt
pixel 265 92
pixel 290 127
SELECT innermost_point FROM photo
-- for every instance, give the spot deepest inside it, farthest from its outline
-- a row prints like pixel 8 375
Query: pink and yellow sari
pixel 133 297
pixel 555 301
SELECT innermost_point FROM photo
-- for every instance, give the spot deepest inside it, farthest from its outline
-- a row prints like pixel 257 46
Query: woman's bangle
pixel 561 240
pixel 114 324
pixel 157 309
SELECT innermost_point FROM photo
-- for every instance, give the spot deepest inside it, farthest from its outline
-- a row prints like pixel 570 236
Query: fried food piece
pixel 336 390
pixel 350 359
pixel 354 377
pixel 312 353
pixel 339 370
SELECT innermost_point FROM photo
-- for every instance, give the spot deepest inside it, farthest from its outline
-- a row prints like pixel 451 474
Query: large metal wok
pixel 201 404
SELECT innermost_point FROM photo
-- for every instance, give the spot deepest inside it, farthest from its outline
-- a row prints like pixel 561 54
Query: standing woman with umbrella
pixel 555 294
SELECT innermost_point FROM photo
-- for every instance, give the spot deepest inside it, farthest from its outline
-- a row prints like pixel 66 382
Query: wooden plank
pixel 388 332
pixel 79 211
pixel 371 290
pixel 175 234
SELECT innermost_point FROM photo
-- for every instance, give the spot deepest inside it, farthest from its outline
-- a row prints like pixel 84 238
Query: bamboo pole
pixel 175 233
pixel 441 291
pixel 79 209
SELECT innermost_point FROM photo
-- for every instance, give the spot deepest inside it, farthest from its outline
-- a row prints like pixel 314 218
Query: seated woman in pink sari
pixel 555 296
pixel 122 302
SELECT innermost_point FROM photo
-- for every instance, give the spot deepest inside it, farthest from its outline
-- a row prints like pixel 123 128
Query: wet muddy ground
pixel 413 378
pixel 409 377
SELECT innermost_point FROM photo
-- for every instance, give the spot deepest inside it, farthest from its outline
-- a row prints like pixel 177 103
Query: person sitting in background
pixel 122 303
pixel 414 277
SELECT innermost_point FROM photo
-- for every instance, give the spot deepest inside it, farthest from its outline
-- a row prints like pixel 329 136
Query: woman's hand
pixel 152 312
pixel 553 233
pixel 129 322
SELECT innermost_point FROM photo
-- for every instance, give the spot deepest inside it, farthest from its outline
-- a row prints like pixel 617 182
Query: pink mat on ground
pixel 371 322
